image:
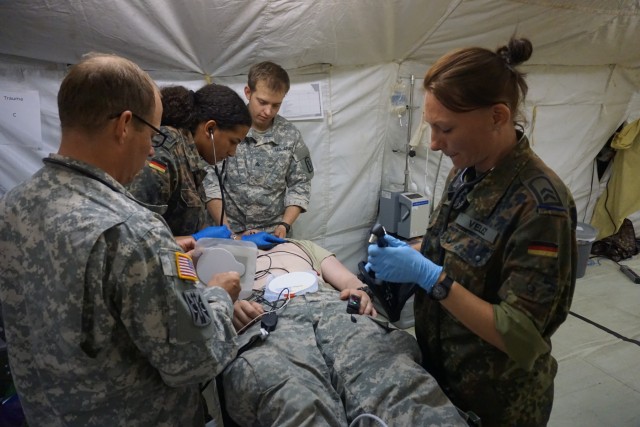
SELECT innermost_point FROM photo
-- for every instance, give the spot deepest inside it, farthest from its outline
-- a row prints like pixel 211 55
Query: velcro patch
pixel 544 192
pixel 157 166
pixel 185 268
pixel 309 164
pixel 476 227
pixel 197 307
pixel 543 249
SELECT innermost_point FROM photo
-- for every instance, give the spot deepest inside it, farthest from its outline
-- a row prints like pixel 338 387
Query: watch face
pixel 439 292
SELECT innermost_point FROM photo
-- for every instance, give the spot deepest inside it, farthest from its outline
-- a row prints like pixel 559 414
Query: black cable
pixel 261 273
pixel 593 166
pixel 606 200
pixel 220 176
pixel 265 271
pixel 308 261
pixel 604 328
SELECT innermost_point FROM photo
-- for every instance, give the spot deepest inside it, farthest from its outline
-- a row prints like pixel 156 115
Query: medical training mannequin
pixel 497 270
pixel 322 366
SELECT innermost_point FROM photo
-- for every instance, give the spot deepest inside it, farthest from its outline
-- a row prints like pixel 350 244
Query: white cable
pixel 362 416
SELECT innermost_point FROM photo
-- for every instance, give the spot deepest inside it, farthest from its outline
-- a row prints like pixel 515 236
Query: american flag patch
pixel 185 267
pixel 543 249
pixel 158 166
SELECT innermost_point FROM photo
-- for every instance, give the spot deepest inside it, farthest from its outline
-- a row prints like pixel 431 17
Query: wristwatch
pixel 440 290
pixel 286 226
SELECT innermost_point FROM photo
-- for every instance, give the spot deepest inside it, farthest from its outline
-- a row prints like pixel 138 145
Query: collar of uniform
pixel 486 195
pixel 195 160
pixel 84 168
pixel 266 136
pixel 181 138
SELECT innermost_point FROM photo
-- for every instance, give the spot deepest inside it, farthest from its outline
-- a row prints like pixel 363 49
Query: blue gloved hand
pixel 263 240
pixel 400 263
pixel 220 232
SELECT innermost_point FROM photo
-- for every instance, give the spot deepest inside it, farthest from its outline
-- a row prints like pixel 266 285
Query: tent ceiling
pixel 224 37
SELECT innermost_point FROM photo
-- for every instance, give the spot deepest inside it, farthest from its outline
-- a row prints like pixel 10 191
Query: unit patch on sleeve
pixel 543 191
pixel 199 313
pixel 185 268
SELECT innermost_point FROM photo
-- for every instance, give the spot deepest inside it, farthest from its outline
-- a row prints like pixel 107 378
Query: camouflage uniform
pixel 100 328
pixel 171 184
pixel 513 246
pixel 269 172
pixel 318 368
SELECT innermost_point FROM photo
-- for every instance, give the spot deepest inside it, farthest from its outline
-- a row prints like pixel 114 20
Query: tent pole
pixel 409 151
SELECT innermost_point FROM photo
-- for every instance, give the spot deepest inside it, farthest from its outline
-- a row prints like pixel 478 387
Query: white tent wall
pixel 584 79
pixel 570 112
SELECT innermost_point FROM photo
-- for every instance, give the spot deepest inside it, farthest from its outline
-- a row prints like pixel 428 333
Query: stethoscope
pixel 219 175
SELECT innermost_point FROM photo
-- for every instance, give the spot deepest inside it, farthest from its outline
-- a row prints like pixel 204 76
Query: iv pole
pixel 409 150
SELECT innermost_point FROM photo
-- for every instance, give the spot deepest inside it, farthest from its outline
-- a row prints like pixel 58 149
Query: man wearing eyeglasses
pixel 105 319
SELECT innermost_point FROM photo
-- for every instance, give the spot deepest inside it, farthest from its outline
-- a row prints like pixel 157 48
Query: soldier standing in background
pixel 268 183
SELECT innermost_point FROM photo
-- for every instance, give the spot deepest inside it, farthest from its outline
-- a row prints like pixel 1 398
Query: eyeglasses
pixel 158 139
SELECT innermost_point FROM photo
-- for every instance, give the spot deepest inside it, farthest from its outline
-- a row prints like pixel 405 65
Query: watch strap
pixel 286 226
pixel 441 290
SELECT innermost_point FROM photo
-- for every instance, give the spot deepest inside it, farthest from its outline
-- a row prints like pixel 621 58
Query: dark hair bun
pixel 516 52
pixel 178 109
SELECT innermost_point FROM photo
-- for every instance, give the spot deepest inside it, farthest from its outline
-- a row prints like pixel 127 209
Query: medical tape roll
pixel 296 283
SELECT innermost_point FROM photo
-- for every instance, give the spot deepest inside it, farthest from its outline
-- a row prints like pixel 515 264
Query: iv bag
pixel 399 100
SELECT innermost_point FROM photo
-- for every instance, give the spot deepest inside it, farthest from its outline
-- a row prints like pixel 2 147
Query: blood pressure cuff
pixel 391 296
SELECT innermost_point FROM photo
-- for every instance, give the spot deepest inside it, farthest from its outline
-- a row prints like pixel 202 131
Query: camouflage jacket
pixel 171 184
pixel 513 242
pixel 269 172
pixel 104 319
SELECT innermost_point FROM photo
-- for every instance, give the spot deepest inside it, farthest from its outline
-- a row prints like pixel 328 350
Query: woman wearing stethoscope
pixel 199 129
pixel 497 269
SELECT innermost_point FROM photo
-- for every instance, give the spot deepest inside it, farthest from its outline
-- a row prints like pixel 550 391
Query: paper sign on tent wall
pixel 20 119
pixel 303 102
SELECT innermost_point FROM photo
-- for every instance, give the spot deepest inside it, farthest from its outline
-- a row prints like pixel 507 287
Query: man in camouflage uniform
pixel 320 367
pixel 171 184
pixel 105 320
pixel 268 183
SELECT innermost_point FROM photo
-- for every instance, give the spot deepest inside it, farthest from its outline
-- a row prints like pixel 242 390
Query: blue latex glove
pixel 400 263
pixel 263 240
pixel 220 232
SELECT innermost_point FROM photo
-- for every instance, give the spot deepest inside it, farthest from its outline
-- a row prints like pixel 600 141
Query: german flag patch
pixel 543 249
pixel 185 268
pixel 157 166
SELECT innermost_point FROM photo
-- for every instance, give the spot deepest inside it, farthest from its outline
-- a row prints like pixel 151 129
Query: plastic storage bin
pixel 585 236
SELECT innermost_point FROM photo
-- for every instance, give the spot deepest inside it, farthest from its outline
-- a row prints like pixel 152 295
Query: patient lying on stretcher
pixel 322 366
